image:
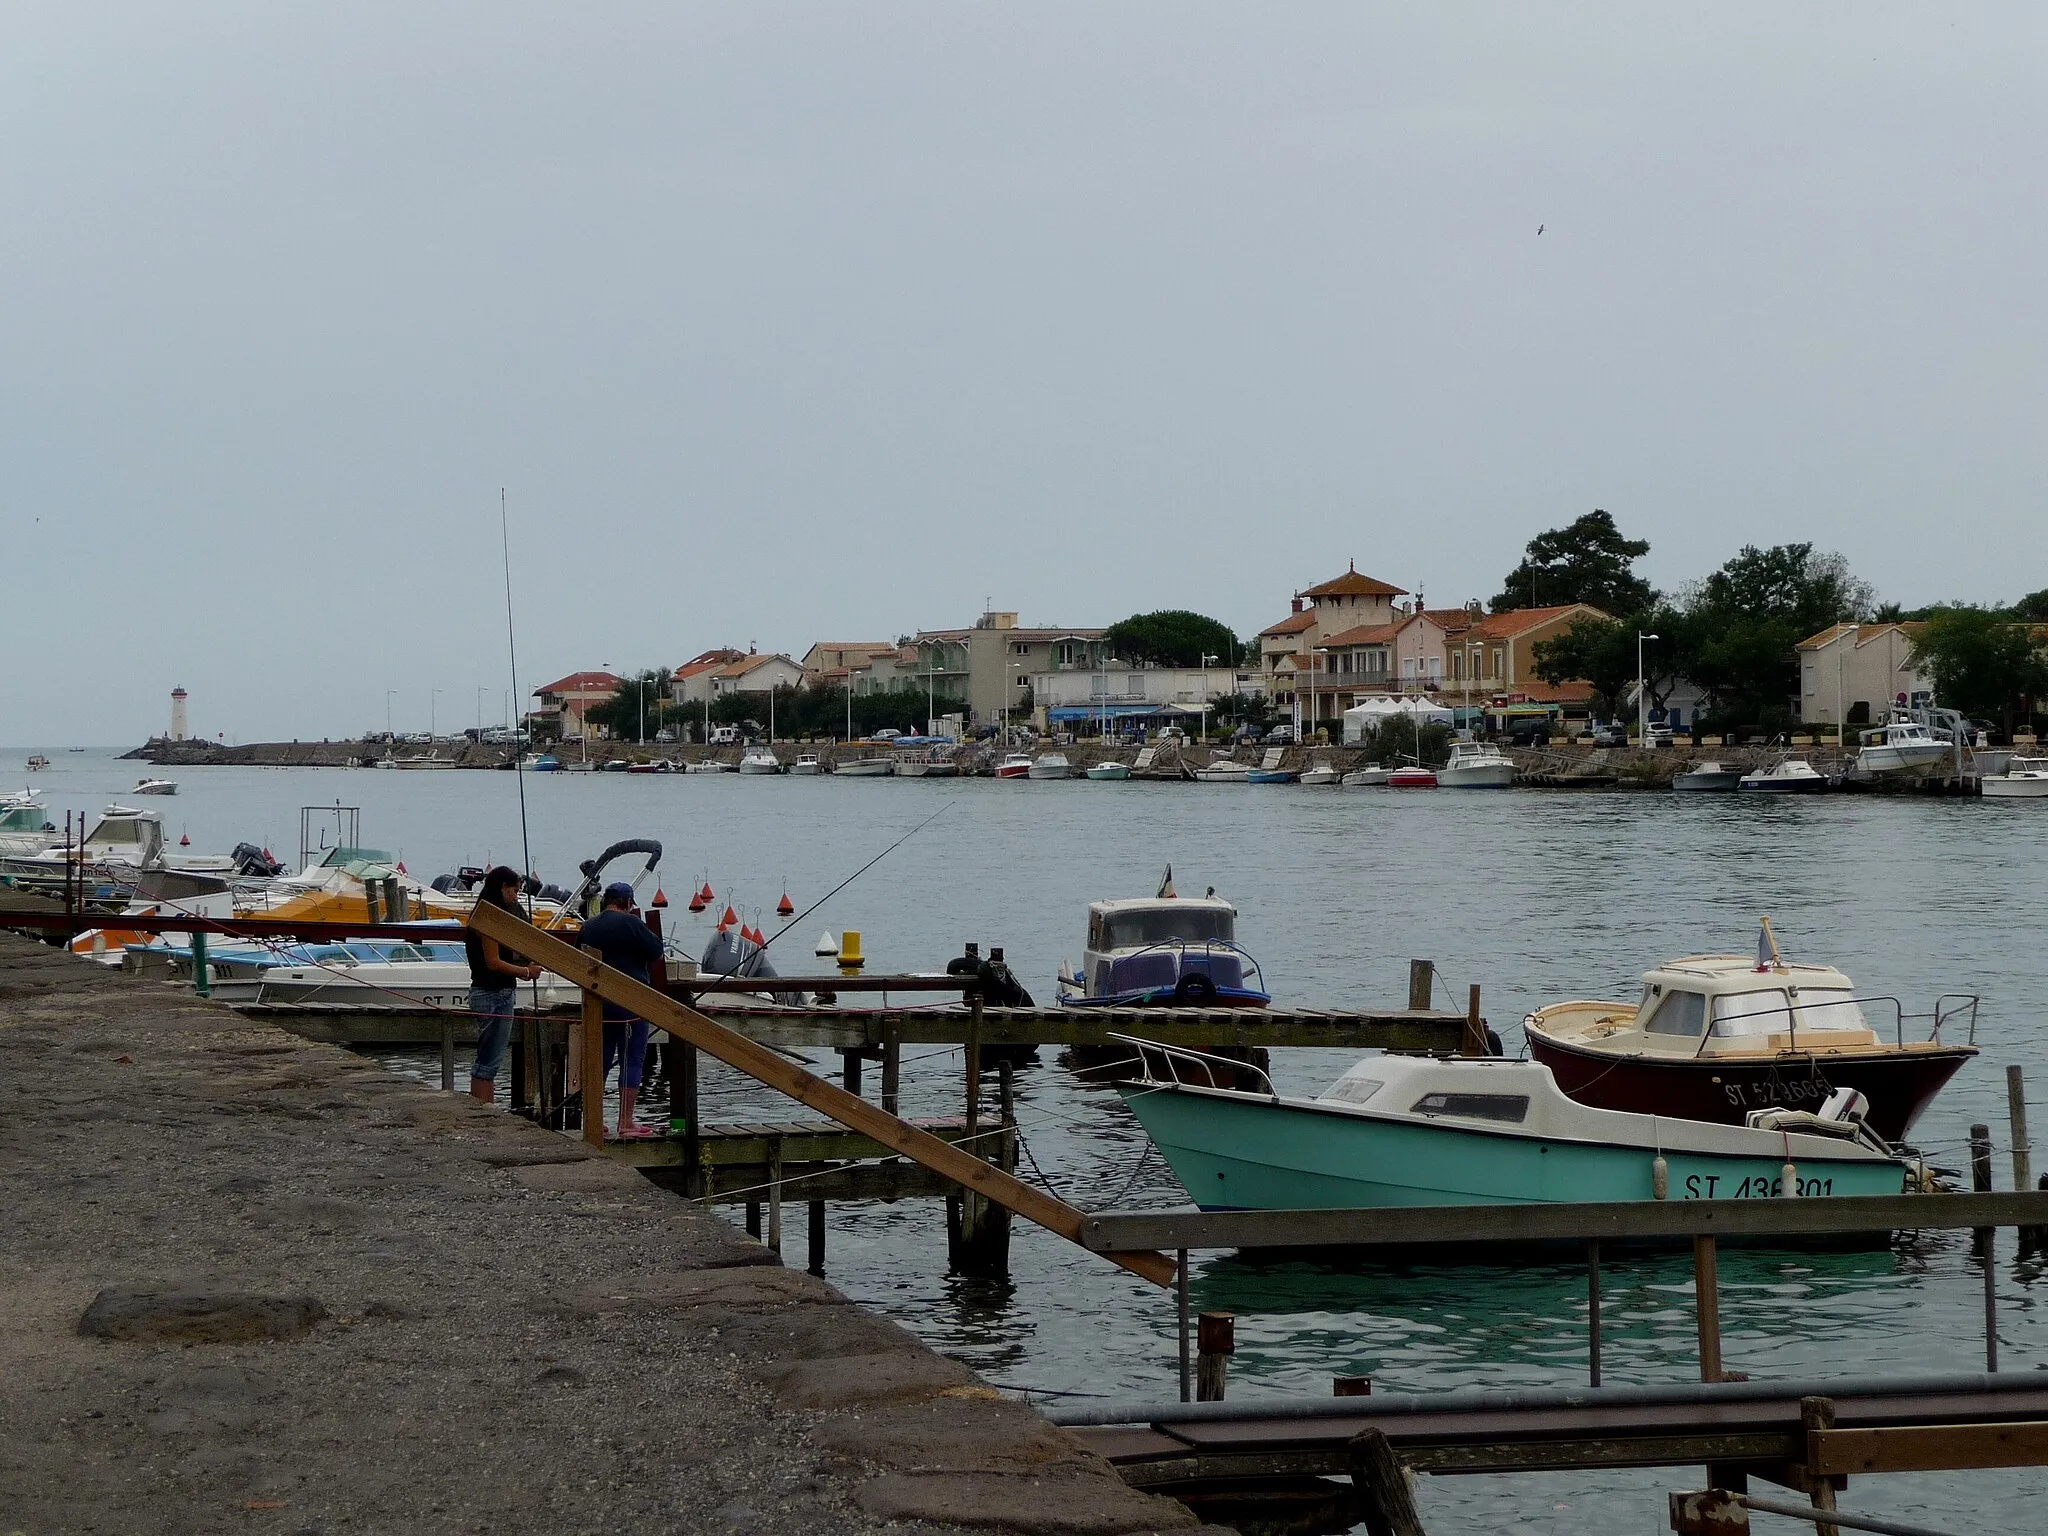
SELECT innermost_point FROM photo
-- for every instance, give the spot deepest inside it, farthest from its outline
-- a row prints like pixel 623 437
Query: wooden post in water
pixel 754 1219
pixel 1707 1303
pixel 1180 1302
pixel 1381 1483
pixel 593 1060
pixel 892 1065
pixel 849 1068
pixel 682 1105
pixel 1419 973
pixel 983 1244
pixel 524 1032
pixel 817 1238
pixel 1816 1416
pixel 1215 1343
pixel 1593 1312
pixel 202 967
pixel 775 1196
pixel 447 1052
pixel 1986 1242
pixel 1351 1386
pixel 1475 1028
pixel 2016 1107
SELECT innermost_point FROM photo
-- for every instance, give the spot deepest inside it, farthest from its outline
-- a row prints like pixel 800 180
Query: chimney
pixel 1297 603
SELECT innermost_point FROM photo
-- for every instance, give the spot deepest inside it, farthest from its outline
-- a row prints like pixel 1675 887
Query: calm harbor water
pixel 1534 895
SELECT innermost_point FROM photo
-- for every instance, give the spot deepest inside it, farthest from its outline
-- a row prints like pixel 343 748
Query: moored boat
pixel 1222 770
pixel 1051 765
pixel 1708 777
pixel 547 762
pixel 1163 951
pixel 1015 766
pixel 1318 775
pixel 1476 765
pixel 1111 772
pixel 1412 776
pixel 25 826
pixel 1787 776
pixel 806 765
pixel 1367 778
pixel 1715 1037
pixel 707 765
pixel 2025 778
pixel 870 767
pixel 1416 1131
pixel 757 760
pixel 1900 745
pixel 1272 776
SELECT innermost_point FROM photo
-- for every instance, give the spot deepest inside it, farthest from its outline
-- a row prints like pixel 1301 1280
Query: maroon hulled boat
pixel 1716 1037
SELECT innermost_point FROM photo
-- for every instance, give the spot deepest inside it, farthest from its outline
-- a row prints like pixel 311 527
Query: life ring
pixel 1195 990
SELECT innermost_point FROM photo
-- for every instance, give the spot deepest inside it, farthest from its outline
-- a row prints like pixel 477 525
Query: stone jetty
pixel 258 1284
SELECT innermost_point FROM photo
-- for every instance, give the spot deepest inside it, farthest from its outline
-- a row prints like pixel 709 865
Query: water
pixel 1536 896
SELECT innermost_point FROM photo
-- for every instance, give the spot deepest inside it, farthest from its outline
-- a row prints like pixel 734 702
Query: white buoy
pixel 1660 1177
pixel 827 947
pixel 1790 1175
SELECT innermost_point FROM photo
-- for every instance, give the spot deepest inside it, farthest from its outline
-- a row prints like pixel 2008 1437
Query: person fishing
pixel 494 977
pixel 624 942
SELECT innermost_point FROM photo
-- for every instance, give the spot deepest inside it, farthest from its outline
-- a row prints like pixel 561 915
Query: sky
pixel 777 324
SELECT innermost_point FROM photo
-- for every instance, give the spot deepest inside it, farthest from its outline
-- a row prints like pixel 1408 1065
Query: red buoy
pixel 184 840
pixel 659 899
pixel 731 919
pixel 706 895
pixel 784 907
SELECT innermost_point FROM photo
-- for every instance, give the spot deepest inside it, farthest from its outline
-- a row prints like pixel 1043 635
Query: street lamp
pixel 433 700
pixel 1642 696
pixel 479 710
pixel 1207 657
pixel 389 694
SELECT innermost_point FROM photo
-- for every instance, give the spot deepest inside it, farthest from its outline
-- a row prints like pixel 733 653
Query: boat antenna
pixel 518 756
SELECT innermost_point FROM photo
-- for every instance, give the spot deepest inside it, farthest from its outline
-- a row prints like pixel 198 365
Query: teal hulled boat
pixel 1407 1130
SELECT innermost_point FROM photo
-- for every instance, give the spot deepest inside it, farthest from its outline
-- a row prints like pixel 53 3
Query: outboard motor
pixel 447 885
pixel 254 861
pixel 1000 987
pixel 1845 1104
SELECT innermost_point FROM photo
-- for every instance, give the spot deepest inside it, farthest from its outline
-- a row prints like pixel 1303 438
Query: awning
pixel 1076 713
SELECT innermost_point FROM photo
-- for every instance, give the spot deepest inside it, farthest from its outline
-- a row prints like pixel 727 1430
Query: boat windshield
pixel 23 818
pixel 1751 1013
pixel 1164 925
pixel 1828 1008
pixel 1682 1013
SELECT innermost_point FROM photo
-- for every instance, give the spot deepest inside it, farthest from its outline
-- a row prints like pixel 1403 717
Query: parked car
pixel 1280 736
pixel 1529 733
pixel 664 735
pixel 725 735
pixel 1612 734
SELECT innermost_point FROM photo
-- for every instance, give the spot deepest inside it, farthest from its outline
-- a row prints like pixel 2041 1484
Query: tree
pixel 638 698
pixel 1173 637
pixel 1587 562
pixel 2033 607
pixel 1738 631
pixel 1983 663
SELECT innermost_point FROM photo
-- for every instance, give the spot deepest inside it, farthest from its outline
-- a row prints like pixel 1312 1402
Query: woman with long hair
pixel 494 977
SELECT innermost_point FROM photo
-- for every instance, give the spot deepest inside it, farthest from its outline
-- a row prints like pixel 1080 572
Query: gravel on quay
pixel 255 1284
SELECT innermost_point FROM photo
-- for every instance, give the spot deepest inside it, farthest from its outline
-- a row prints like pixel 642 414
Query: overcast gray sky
pixel 786 323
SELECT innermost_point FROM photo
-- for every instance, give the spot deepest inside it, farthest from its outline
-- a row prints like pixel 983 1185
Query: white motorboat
pixel 1709 777
pixel 120 845
pixel 867 768
pixel 1051 765
pixel 1224 770
pixel 1476 765
pixel 1163 952
pixel 359 973
pixel 25 826
pixel 1016 766
pixel 1110 772
pixel 925 762
pixel 1900 745
pixel 38 763
pixel 1318 774
pixel 760 760
pixel 806 765
pixel 2025 778
pixel 156 787
pixel 1367 778
pixel 1787 776
pixel 707 765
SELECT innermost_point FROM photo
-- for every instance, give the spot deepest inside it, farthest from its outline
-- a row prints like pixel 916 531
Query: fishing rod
pixel 518 747
pixel 842 885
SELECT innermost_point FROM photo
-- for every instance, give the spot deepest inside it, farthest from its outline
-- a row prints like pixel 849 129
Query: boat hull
pixel 1411 778
pixel 1109 773
pixel 1707 783
pixel 1239 1152
pixel 1367 778
pixel 866 768
pixel 1813 786
pixel 1901 759
pixel 1898 1086
pixel 1270 776
pixel 1488 776
pixel 1996 787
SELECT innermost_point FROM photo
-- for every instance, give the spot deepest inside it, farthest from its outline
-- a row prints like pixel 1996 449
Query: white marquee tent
pixel 1367 719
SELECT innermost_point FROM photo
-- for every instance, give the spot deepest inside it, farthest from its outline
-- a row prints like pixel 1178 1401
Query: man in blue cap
pixel 625 943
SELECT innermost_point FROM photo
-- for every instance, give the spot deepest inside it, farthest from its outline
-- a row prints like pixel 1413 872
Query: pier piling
pixel 892 1065
pixel 816 1263
pixel 1382 1485
pixel 1215 1343
pixel 1816 1417
pixel 593 1061
pixel 2016 1108
pixel 1419 974
pixel 1593 1311
pixel 775 1197
pixel 1180 1302
pixel 1707 1303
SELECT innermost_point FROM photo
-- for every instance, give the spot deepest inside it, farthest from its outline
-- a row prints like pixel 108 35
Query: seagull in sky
pixel 1539 229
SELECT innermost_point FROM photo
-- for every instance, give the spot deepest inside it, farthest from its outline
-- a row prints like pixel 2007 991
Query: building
pixel 1493 659
pixel 691 683
pixel 1122 697
pixel 1404 656
pixel 178 730
pixel 990 666
pixel 565 702
pixel 1859 671
pixel 864 666
pixel 755 673
pixel 1287 650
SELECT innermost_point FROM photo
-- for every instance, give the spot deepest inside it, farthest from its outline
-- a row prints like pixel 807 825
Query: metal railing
pixel 1170 1058
pixel 1965 1005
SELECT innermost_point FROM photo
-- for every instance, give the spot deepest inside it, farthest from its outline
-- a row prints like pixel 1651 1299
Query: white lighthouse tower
pixel 177 714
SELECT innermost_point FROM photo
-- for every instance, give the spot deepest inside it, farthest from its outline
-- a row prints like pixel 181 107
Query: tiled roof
pixel 1351 584
pixel 1366 634
pixel 1573 692
pixel 1519 621
pixel 1827 636
pixel 748 664
pixel 1452 620
pixel 582 682
pixel 1293 624
pixel 706 662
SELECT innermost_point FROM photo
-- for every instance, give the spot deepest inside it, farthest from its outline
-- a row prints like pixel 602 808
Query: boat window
pixel 1828 1008
pixel 1161 925
pixel 1751 1013
pixel 1354 1090
pixel 123 831
pixel 1508 1107
pixel 1682 1013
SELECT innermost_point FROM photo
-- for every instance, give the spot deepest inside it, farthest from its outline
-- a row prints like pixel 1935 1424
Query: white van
pixel 725 735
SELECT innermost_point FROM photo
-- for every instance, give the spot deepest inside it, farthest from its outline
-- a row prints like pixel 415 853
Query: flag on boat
pixel 1166 890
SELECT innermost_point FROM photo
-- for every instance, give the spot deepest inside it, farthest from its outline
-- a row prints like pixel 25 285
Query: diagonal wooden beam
pixel 765 1066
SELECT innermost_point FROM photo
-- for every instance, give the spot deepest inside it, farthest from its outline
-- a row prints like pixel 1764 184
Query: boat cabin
pixel 1179 948
pixel 22 816
pixel 1708 1005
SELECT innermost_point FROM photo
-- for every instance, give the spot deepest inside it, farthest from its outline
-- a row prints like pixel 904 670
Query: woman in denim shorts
pixel 494 978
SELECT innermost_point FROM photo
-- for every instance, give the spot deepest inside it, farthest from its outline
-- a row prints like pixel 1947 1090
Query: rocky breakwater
pixel 257 1284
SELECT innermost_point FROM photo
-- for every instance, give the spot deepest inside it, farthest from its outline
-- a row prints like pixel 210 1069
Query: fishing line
pixel 512 652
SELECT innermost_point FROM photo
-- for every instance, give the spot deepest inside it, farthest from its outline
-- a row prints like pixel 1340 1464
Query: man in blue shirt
pixel 625 943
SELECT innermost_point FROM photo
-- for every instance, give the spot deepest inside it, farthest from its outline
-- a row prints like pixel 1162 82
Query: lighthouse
pixel 177 714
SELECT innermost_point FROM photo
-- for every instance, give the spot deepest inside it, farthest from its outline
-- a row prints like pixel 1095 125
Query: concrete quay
pixel 259 1284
